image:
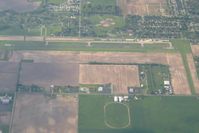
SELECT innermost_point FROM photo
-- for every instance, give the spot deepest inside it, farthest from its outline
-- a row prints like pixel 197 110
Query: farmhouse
pixel 168 87
pixel 5 99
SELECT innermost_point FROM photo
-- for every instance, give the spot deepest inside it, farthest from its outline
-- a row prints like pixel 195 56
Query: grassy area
pixel 196 59
pixel 73 46
pixel 184 48
pixel 154 78
pixel 91 111
pixel 55 1
pixel 148 115
pixel 101 2
pixel 117 115
pixel 117 20
pixel 4 128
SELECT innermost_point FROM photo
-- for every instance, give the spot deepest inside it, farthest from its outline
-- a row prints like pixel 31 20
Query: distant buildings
pixel 120 99
pixel 68 5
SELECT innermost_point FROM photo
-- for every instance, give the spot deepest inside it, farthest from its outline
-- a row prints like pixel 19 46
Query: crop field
pixel 148 115
pixel 19 5
pixel 120 76
pixel 8 76
pixel 173 60
pixel 155 75
pixel 42 114
pixel 47 74
pixel 144 7
pixel 195 50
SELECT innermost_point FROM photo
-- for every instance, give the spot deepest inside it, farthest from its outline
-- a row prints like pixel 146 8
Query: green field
pixel 56 1
pixel 4 128
pixel 155 75
pixel 148 115
pixel 75 46
pixel 100 2
pixel 184 48
pixel 196 60
pixel 116 115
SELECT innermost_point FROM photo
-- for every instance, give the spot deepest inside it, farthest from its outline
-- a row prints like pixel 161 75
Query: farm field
pixel 41 114
pixel 173 60
pixel 8 76
pixel 184 48
pixel 46 74
pixel 144 7
pixel 19 5
pixel 195 50
pixel 148 115
pixel 120 76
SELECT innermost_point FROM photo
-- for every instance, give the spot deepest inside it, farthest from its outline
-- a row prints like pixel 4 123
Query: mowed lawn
pixel 148 115
pixel 77 46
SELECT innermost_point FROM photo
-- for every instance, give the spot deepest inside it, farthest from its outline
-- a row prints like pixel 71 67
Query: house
pixel 5 99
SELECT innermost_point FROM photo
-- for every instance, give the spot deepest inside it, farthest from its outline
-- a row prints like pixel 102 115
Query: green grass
pixel 184 48
pixel 91 111
pixel 117 115
pixel 55 1
pixel 4 128
pixel 177 114
pixel 74 46
pixel 196 60
pixel 119 21
pixel 154 76
pixel 102 2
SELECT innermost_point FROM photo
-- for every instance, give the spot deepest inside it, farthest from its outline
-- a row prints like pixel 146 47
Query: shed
pixel 115 99
pixel 166 82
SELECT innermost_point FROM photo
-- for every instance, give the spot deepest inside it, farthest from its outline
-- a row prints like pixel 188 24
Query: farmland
pixel 8 76
pixel 143 7
pixel 99 66
pixel 120 76
pixel 47 115
pixel 46 74
pixel 174 60
pixel 148 115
